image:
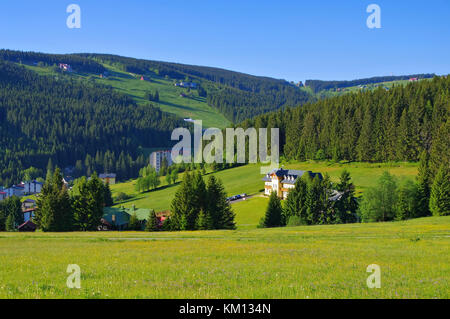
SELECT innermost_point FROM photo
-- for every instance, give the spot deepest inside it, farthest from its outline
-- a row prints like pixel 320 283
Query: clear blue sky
pixel 293 40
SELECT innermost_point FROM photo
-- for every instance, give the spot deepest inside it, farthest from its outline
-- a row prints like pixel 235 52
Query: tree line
pixel 318 85
pixel 81 209
pixel 313 201
pixel 199 206
pixel 318 202
pixel 374 126
pixel 79 64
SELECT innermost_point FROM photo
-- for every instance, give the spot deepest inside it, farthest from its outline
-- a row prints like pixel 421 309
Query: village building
pixel 108 178
pixel 282 181
pixel 15 190
pixel 65 67
pixel 3 195
pixel 33 187
pixel 156 159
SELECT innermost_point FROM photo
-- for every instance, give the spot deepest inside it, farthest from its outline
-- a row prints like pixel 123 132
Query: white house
pixel 282 181
pixel 33 187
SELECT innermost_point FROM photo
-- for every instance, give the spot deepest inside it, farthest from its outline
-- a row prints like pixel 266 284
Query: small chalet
pixel 3 196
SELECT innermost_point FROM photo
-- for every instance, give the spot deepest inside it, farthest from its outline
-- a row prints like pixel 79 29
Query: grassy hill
pixel 247 179
pixel 298 262
pixel 191 106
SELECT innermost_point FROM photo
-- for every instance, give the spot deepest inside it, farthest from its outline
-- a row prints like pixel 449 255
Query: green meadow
pixel 299 262
pixel 247 179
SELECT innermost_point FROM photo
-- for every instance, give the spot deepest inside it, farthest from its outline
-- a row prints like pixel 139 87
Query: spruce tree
pixel 296 201
pixel 107 195
pixel 346 206
pixel 314 201
pixel 152 222
pixel 407 201
pixel 423 186
pixel 54 211
pixel 10 224
pixel 204 220
pixel 273 216
pixel 217 205
pixel 440 193
pixel 133 223
pixel 182 205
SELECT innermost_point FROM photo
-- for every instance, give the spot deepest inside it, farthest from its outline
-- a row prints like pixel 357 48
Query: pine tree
pixel 133 223
pixel 296 201
pixel 13 207
pixel 273 216
pixel 439 153
pixel 365 141
pixel 204 220
pixel 182 204
pixel 54 211
pixel 406 204
pixel 152 222
pixel 423 186
pixel 88 201
pixel 440 193
pixel 10 224
pixel 314 201
pixel 346 206
pixel 108 200
pixel 217 206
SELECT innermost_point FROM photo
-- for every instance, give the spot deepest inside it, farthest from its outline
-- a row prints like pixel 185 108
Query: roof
pixel 28 223
pixel 121 216
pixel 289 176
pixel 33 182
pixel 107 175
pixel 28 200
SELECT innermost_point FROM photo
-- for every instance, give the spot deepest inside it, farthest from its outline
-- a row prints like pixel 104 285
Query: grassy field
pixel 191 106
pixel 247 179
pixel 298 262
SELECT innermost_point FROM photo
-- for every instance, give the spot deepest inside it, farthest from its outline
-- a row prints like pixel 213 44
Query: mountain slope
pixel 66 120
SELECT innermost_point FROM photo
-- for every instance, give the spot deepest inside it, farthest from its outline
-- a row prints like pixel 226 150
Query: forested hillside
pixel 44 118
pixel 236 95
pixel 80 63
pixel 318 85
pixel 379 125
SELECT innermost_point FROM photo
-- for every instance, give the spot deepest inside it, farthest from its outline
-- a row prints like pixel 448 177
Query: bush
pixel 295 221
pixel 120 197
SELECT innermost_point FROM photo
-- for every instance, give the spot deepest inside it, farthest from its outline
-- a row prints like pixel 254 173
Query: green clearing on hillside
pixel 298 262
pixel 192 106
pixel 247 179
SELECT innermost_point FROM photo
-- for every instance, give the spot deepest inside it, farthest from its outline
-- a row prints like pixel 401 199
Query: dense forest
pixel 373 126
pixel 318 85
pixel 45 118
pixel 79 64
pixel 236 95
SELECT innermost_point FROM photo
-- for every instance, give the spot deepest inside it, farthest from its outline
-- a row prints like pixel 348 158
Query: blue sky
pixel 293 40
